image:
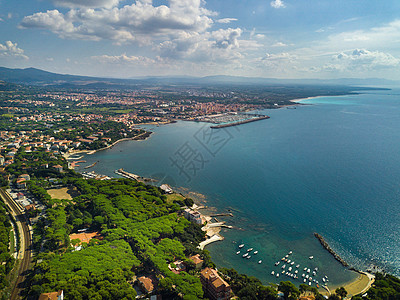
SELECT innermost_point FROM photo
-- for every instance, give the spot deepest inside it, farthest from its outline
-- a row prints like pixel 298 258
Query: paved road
pixel 25 245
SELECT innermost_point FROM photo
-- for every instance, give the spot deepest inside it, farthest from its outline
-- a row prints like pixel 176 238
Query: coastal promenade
pixel 24 251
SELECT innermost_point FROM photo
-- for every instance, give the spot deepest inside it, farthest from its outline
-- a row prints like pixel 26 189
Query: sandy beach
pixel 358 286
pixel 302 99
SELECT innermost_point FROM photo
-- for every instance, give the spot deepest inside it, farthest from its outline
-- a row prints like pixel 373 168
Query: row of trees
pixel 6 260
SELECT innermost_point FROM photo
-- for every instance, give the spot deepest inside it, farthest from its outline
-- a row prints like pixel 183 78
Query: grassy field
pixel 62 193
pixel 174 197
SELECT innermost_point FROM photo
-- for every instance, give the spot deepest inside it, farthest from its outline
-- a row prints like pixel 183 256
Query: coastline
pixel 90 152
pixel 302 99
pixel 357 286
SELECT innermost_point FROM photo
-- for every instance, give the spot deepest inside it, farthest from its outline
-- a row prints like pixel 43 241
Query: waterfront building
pixel 214 287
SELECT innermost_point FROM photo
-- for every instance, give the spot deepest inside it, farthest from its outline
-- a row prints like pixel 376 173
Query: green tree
pixel 289 290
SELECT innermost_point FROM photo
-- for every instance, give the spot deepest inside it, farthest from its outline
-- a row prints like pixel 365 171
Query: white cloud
pixel 279 44
pixel 10 49
pixel 123 59
pixel 87 3
pixel 278 4
pixel 362 59
pixel 226 20
pixel 140 21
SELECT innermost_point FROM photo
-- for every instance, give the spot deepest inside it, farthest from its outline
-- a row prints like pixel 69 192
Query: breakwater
pixel 330 250
pixel 239 122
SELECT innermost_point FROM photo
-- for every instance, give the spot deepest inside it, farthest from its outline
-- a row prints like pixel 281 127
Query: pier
pixel 92 165
pixel 128 175
pixel 231 119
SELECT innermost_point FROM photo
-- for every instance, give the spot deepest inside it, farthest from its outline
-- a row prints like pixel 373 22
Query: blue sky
pixel 272 38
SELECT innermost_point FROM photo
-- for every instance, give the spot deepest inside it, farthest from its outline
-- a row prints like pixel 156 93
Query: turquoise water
pixel 332 167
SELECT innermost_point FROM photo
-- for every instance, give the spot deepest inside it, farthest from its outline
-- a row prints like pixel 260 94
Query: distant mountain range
pixel 32 76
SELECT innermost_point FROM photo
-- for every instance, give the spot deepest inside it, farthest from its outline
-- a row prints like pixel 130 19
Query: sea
pixel 330 166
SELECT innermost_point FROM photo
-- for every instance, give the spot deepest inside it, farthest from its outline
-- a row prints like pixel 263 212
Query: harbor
pixel 231 119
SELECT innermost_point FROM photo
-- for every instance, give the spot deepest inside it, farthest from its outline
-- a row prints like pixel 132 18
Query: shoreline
pixel 90 152
pixel 302 99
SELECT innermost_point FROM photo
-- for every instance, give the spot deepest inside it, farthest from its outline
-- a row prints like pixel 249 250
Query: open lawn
pixel 63 193
pixel 174 197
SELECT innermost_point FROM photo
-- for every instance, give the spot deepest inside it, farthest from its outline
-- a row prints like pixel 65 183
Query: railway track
pixel 25 245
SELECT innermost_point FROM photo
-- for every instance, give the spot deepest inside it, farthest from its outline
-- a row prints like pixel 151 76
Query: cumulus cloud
pixel 11 49
pixel 226 20
pixel 362 59
pixel 140 21
pixel 277 4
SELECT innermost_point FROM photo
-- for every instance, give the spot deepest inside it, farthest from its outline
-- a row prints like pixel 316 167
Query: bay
pixel 332 167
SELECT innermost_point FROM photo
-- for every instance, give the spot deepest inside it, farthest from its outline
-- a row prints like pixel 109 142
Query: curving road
pixel 24 253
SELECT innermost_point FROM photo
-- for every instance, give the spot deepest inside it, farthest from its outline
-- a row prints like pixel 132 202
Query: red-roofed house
pixel 52 296
pixel 214 286
pixel 147 284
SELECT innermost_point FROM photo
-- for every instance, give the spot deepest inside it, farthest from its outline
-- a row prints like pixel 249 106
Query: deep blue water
pixel 332 167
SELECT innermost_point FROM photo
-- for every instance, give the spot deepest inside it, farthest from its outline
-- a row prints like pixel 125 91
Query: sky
pixel 252 38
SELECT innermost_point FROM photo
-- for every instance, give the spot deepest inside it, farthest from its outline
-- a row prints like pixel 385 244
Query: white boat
pixel 250 249
pixel 290 252
pixel 309 283
pixel 289 261
pixel 292 263
pixel 303 275
pixel 297 271
pixel 273 272
pixel 284 266
pixel 248 257
pixel 310 278
pixel 244 255
pixel 287 255
pixel 237 252
pixel 304 280
pixel 311 257
pixel 307 276
pixel 277 263
pixel 297 266
pixel 323 279
pixel 277 274
pixel 255 252
pixel 290 269
pixel 283 271
pixel 260 261
pixel 308 270
pixel 305 269
pixel 241 245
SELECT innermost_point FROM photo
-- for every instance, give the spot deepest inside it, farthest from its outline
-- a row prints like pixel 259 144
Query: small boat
pixel 289 261
pixel 277 274
pixel 237 252
pixel 304 280
pixel 314 273
pixel 297 271
pixel 292 263
pixel 323 279
pixel 284 266
pixel 287 255
pixel 317 285
pixel 241 246
pixel 260 261
pixel 250 249
pixel 305 269
pixel 290 252
pixel 283 272
pixel 303 275
pixel 308 270
pixel 273 272
pixel 309 283
pixel 310 278
pixel 282 258
pixel 311 257
pixel 290 269
pixel 255 252
pixel 248 257
pixel 316 269
pixel 277 263
pixel 244 255
pixel 297 266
